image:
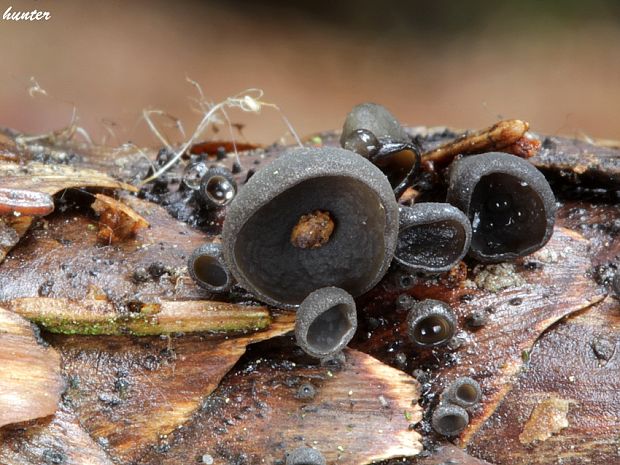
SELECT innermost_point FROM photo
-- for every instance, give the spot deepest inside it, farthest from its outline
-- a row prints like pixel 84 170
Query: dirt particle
pixel 53 457
pixel 207 459
pixel 45 289
pixel 158 269
pixel 313 230
pixel 477 319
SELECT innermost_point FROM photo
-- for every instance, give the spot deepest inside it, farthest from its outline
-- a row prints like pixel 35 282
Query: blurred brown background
pixel 463 64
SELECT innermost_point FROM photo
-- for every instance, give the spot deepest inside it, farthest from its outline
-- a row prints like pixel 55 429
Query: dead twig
pixel 496 137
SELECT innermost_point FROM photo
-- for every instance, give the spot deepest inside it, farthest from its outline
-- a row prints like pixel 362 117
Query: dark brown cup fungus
pixel 464 392
pixel 208 269
pixel 326 322
pixel 509 202
pixel 305 456
pixel 430 323
pixel 449 419
pixel 314 217
pixel 374 118
pixel 433 237
pixel 373 132
pixel 306 391
pixel 217 187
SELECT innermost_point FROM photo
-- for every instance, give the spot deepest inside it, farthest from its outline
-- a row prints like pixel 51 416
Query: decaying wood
pixel 25 202
pixel 63 259
pixel 54 440
pixel 544 288
pixel 449 455
pixel 27 189
pixel 12 229
pixel 53 178
pixel 127 393
pixel 97 317
pixel 580 162
pixel 361 413
pixel 549 338
pixel 30 381
pixel 571 365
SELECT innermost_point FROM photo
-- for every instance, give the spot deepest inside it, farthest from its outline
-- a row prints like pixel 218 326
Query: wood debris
pixel 97 317
pixel 25 202
pixel 128 393
pixel 547 418
pixel 117 221
pixel 56 440
pixel 30 381
pixel 27 189
pixel 360 413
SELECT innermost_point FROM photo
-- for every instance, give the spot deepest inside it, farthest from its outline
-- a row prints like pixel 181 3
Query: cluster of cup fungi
pixel 320 226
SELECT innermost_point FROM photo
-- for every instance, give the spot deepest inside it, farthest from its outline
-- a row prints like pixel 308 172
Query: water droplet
pixel 193 174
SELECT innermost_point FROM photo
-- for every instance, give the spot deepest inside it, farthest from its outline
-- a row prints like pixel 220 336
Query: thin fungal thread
pixel 64 134
pixel 249 101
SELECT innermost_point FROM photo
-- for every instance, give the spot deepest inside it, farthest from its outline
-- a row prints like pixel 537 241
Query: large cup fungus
pixel 509 202
pixel 313 218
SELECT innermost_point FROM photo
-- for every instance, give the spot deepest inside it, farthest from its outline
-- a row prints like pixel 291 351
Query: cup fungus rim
pixel 451 409
pixel 451 392
pixel 306 456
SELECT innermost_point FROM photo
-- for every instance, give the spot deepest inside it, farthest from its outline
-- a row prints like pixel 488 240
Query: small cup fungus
pixel 433 237
pixel 430 323
pixel 305 456
pixel 464 392
pixel 208 269
pixel 326 321
pixel 449 420
pixel 314 217
pixel 371 131
pixel 217 187
pixel 375 119
pixel 509 202
pixel 193 174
